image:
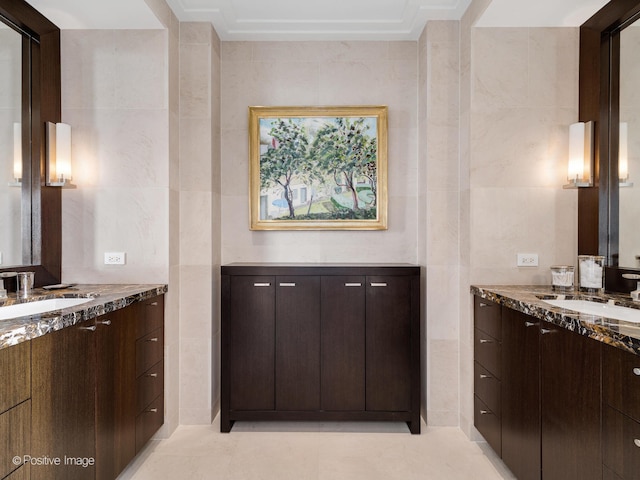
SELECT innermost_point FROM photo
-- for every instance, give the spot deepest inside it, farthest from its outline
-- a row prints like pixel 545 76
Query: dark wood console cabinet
pixel 320 343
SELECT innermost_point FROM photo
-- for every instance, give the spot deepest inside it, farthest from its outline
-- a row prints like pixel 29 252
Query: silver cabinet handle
pixel 152 304
pixel 105 322
pixel 636 441
pixel 485 412
pixel 352 284
pixel 258 284
pixel 483 376
pixel 544 331
pixel 154 339
pixel 152 410
pixel 529 324
pixel 284 284
pixel 636 371
pixel 151 375
pixel 484 340
pixel 378 284
pixel 483 305
pixel 92 328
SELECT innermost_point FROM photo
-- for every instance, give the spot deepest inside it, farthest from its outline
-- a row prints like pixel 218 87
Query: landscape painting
pixel 318 168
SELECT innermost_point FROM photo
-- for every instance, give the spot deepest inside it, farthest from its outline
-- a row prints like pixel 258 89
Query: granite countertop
pixel 105 299
pixel 530 300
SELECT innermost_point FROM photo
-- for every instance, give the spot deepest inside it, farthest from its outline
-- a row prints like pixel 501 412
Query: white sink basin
pixel 616 312
pixel 41 306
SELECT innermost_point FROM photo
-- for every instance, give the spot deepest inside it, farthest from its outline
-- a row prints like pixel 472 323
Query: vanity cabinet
pixel 537 394
pixel 621 414
pixel 320 343
pixel 15 408
pixel 97 392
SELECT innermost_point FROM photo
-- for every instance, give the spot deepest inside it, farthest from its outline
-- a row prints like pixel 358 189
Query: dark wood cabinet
pixel 115 392
pixel 63 402
pixel 320 343
pixel 621 414
pixel 570 392
pixel 521 434
pixel 97 392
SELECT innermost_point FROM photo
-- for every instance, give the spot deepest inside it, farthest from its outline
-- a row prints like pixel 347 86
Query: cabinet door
pixel 297 343
pixel 520 394
pixel 388 343
pixel 63 402
pixel 570 403
pixel 115 392
pixel 343 343
pixel 252 329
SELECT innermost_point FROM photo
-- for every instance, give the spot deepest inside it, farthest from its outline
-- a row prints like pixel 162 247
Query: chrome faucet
pixel 635 294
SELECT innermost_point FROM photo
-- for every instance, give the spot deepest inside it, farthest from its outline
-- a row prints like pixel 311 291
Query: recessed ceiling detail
pixel 318 20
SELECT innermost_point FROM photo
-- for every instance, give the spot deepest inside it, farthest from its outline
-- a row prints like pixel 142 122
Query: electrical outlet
pixel 114 258
pixel 527 260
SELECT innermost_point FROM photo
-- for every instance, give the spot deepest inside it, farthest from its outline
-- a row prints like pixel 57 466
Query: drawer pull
pixel 266 284
pixel 544 331
pixel 483 376
pixel 352 284
pixel 105 322
pixel 92 328
pixel 529 324
pixel 484 340
pixel 636 441
pixel 284 284
pixel 378 284
pixel 152 410
pixel 483 305
pixel 636 371
pixel 485 412
pixel 154 339
pixel 152 304
pixel 151 375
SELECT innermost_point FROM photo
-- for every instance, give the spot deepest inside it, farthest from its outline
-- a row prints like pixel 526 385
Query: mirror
pixel 629 148
pixel 39 246
pixel 10 146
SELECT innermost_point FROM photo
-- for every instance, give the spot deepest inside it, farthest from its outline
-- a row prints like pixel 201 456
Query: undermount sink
pixel 40 306
pixel 607 310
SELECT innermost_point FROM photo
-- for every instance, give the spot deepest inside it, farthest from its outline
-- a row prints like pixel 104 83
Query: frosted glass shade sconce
pixel 17 155
pixel 623 156
pixel 59 155
pixel 580 166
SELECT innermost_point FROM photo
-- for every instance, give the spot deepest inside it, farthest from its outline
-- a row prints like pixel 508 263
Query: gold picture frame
pixel 318 168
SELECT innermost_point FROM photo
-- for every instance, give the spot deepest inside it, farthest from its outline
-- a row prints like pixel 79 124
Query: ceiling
pixel 315 20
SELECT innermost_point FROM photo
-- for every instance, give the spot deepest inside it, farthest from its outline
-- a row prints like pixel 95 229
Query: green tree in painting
pixel 287 158
pixel 344 151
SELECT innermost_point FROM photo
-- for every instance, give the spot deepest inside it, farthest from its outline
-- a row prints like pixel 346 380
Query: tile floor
pixel 316 451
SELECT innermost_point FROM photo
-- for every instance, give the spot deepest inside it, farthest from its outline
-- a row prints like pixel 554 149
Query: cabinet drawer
pixel 621 444
pixel 488 424
pixel 621 381
pixel 150 315
pixel 15 434
pixel 487 352
pixel 487 388
pixel 15 363
pixel 487 317
pixel 148 351
pixel 149 386
pixel 149 421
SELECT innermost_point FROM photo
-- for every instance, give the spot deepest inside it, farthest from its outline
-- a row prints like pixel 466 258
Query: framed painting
pixel 318 168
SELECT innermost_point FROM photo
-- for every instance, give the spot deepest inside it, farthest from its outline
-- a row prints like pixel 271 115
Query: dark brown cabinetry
pixel 97 392
pixel 537 394
pixel 320 343
pixel 621 414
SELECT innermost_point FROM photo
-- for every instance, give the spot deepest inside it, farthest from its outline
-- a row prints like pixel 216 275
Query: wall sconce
pixel 17 155
pixel 580 171
pixel 58 172
pixel 623 156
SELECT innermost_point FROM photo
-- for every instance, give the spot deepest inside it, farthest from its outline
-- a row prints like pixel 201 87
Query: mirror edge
pixel 46 202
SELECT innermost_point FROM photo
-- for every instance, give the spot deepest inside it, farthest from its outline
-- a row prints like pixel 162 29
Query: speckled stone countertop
pixel 105 299
pixel 530 300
